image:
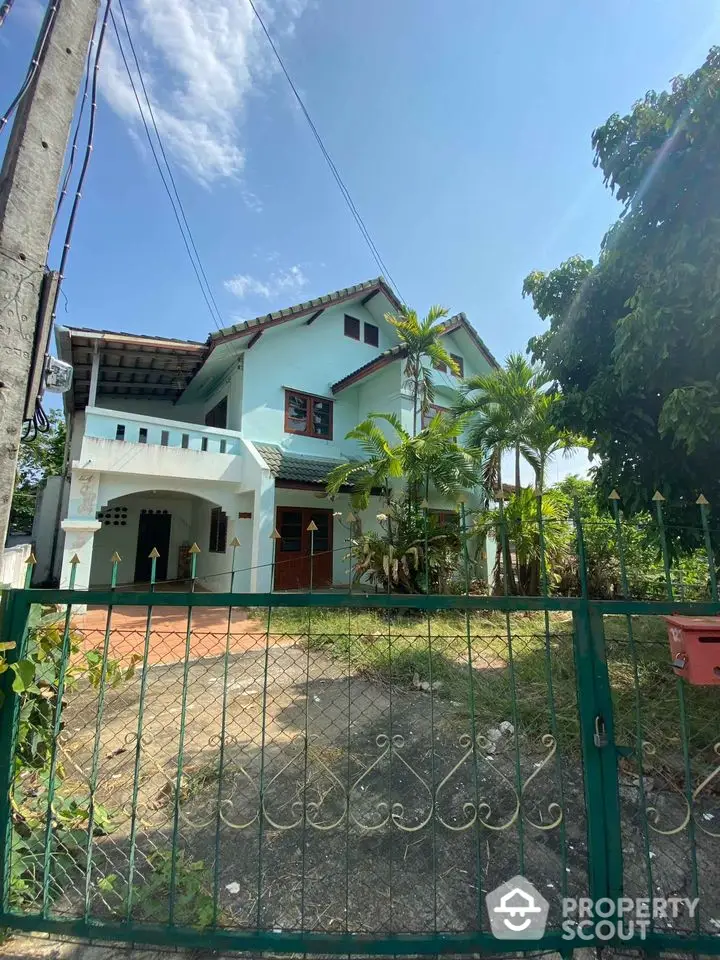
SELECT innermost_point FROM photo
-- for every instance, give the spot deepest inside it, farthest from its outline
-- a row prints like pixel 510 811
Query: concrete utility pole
pixel 29 182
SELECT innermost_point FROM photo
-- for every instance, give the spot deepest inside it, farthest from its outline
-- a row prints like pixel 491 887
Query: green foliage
pixel 432 458
pixel 513 409
pixel 35 680
pixel 517 525
pixel 420 341
pixel 193 887
pixel 36 461
pixel 397 558
pixel 634 340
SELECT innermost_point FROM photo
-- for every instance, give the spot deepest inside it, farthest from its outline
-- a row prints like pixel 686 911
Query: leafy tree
pixel 431 458
pixel 634 340
pixel 37 461
pixel 420 340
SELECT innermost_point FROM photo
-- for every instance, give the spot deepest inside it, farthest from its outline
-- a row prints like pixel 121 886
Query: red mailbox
pixel 695 648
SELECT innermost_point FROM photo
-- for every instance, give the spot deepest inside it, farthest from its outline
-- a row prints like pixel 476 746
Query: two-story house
pixel 174 442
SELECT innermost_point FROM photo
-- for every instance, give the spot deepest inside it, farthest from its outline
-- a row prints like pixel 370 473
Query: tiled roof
pixel 294 466
pixel 319 303
pixel 387 356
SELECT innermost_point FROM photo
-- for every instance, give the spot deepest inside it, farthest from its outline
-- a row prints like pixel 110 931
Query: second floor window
pixel 460 365
pixel 352 327
pixel 308 415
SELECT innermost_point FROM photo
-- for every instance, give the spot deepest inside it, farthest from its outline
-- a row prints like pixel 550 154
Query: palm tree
pixel 431 458
pixel 501 405
pixel 543 438
pixel 420 340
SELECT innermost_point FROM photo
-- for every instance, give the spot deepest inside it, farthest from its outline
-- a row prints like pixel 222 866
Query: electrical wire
pixel 73 148
pixel 88 150
pixel 169 168
pixel 34 63
pixel 333 169
pixel 5 10
pixel 162 174
pixel 38 423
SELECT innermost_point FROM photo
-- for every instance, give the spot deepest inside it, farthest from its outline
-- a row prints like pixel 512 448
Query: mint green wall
pixel 310 359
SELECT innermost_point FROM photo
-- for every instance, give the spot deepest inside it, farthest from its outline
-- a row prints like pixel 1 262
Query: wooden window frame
pixel 353 320
pixel 376 341
pixel 218 531
pixel 308 431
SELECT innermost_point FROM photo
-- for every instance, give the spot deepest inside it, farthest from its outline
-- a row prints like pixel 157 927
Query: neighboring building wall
pixel 48 512
pixel 13 565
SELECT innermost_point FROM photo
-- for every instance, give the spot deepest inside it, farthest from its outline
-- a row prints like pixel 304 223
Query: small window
pixel 217 417
pixel 164 438
pixel 459 361
pixel 307 415
pixel 223 446
pixel 120 431
pixel 440 367
pixel 185 443
pixel 218 531
pixel 203 444
pixel 352 327
pixel 142 435
pixel 372 334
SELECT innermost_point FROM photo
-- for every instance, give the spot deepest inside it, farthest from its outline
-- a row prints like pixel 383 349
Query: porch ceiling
pixel 130 365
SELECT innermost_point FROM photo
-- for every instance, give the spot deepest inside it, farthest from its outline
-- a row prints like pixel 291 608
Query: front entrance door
pixel 292 559
pixel 153 531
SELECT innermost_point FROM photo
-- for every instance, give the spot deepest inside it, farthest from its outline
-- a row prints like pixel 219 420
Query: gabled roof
pixel 295 466
pixel 458 322
pixel 366 290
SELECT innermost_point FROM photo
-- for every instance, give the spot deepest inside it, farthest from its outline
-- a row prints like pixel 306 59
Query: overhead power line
pixel 34 63
pixel 173 195
pixel 333 169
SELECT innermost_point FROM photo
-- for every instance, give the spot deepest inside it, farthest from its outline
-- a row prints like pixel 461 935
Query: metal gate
pixel 348 773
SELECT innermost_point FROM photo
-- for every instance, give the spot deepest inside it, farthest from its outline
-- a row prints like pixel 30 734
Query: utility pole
pixel 29 182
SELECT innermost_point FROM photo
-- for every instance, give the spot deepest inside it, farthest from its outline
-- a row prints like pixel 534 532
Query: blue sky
pixel 461 127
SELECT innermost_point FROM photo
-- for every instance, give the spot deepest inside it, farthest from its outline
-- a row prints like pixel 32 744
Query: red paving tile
pixel 169 627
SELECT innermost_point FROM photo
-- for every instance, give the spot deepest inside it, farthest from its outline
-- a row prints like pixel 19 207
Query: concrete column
pixel 261 577
pixel 79 536
pixel 94 372
pixel 80 527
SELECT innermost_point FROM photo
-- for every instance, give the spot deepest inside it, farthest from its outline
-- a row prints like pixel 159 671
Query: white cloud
pixel 200 62
pixel 289 282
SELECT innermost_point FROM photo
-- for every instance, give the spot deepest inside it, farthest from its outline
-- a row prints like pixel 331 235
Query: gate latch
pixel 600 738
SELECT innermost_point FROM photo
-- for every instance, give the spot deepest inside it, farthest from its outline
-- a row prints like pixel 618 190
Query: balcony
pixel 118 442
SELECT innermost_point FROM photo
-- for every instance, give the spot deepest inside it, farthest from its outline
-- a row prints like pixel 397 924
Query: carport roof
pixel 130 364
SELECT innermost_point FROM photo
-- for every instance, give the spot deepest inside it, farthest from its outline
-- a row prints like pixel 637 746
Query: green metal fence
pixel 352 773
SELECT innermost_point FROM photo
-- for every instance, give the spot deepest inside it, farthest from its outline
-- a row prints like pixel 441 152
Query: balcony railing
pixel 136 428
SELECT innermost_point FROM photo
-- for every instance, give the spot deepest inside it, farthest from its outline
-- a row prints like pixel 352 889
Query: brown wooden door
pixel 292 558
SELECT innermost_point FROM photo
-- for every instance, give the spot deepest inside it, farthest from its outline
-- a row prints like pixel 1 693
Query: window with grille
pixel 307 415
pixel 218 531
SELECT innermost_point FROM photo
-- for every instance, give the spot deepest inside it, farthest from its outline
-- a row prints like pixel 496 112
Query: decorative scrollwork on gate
pixel 555 811
pixel 481 810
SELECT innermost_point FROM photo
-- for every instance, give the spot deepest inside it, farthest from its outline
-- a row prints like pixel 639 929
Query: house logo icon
pixel 517 911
